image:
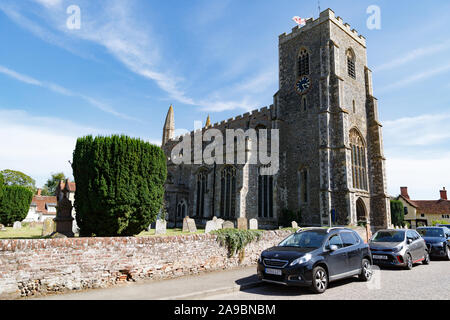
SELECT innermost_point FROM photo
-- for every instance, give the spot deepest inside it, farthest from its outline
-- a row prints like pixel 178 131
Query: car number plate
pixel 380 257
pixel 275 272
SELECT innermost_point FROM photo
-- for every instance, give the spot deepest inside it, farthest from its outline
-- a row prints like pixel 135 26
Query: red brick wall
pixel 30 267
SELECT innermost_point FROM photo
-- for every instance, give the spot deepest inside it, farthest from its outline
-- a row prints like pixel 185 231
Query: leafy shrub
pixel 120 185
pixel 236 240
pixel 436 222
pixel 14 204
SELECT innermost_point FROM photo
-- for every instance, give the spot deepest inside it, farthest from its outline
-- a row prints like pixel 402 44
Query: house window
pixel 422 215
pixel 228 192
pixel 359 172
pixel 303 63
pixel 351 63
pixel 201 192
pixel 265 195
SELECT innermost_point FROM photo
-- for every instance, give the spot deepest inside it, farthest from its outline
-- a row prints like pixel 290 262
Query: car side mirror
pixel 409 240
pixel 333 247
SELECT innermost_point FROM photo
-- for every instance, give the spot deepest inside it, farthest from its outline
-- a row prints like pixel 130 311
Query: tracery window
pixel 359 163
pixel 265 195
pixel 201 192
pixel 351 63
pixel 303 63
pixel 228 192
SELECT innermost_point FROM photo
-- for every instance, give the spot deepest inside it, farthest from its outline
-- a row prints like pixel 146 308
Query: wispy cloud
pixel 415 78
pixel 423 130
pixel 61 90
pixel 128 40
pixel 413 55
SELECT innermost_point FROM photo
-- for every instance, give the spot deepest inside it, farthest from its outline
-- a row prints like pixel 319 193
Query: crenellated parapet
pixel 257 116
pixel 327 15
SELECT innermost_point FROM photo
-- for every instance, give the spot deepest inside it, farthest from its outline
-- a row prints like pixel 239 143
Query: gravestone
pixel 64 219
pixel 228 225
pixel 219 223
pixel 189 225
pixel 17 225
pixel 2 227
pixel 161 227
pixel 294 225
pixel 253 224
pixel 242 223
pixel 210 226
pixel 48 228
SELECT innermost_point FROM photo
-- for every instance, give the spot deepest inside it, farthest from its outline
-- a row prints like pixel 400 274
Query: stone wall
pixel 32 267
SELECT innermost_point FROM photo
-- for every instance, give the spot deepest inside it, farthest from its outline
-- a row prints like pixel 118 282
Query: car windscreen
pixel 305 239
pixel 429 232
pixel 389 236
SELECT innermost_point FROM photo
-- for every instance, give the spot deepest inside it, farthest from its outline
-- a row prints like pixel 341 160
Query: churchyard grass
pixel 25 232
pixel 170 232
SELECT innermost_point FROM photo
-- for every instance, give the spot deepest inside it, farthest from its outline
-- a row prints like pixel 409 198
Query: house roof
pixel 433 206
pixel 409 201
pixel 42 202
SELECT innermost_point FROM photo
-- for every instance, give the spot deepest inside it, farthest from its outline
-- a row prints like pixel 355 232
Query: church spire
pixel 169 126
pixel 208 122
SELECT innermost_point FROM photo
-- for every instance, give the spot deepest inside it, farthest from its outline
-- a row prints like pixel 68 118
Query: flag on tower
pixel 299 21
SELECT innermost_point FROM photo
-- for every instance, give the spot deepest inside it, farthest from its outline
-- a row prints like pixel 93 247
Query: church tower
pixel 169 127
pixel 329 118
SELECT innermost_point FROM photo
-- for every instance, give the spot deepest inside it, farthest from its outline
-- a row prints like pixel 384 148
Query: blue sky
pixel 132 59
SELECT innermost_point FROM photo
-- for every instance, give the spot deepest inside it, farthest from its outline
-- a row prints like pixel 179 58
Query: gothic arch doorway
pixel 361 211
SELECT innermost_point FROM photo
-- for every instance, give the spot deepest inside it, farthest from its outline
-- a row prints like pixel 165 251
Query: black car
pixel 314 257
pixel 401 248
pixel 438 241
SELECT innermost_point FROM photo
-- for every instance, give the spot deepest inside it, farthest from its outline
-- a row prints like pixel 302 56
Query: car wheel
pixel 426 259
pixel 366 272
pixel 409 262
pixel 448 254
pixel 319 280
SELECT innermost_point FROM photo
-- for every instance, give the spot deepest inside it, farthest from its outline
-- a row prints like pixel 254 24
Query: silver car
pixel 402 248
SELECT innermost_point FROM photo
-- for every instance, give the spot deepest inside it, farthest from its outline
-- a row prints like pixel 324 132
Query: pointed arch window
pixel 228 192
pixel 351 63
pixel 359 161
pixel 181 209
pixel 202 185
pixel 303 63
pixel 265 195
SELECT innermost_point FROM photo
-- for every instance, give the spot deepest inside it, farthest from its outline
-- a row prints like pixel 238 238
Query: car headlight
pixel 439 244
pixel 301 260
pixel 397 249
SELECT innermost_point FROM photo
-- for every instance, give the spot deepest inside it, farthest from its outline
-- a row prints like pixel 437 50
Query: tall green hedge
pixel 397 213
pixel 14 204
pixel 120 185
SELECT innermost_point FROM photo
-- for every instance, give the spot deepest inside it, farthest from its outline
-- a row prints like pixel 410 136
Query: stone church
pixel 332 167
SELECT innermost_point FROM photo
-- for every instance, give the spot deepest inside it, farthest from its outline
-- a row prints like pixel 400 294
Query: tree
pixel 1 186
pixel 14 204
pixel 49 188
pixel 397 213
pixel 17 178
pixel 120 185
pixel 436 222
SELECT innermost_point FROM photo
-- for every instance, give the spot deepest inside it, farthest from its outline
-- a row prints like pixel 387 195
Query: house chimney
pixel 404 192
pixel 444 194
pixel 39 191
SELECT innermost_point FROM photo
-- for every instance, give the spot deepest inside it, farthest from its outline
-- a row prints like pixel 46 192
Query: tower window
pixel 303 63
pixel 359 172
pixel 351 64
pixel 265 195
pixel 303 183
pixel 305 103
pixel 354 106
pixel 228 192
